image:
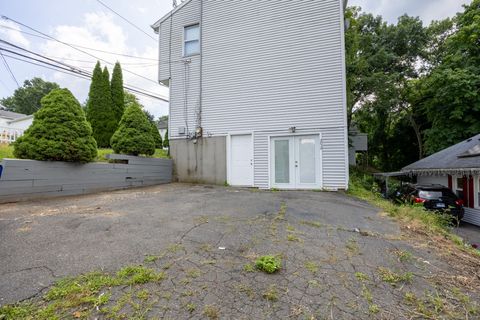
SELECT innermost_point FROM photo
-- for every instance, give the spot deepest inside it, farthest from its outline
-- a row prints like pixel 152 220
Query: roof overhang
pixel 442 172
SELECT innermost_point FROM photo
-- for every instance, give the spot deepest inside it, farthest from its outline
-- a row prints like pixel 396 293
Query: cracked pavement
pixel 340 258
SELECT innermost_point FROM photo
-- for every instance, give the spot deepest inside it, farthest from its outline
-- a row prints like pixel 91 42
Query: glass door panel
pixel 306 160
pixel 282 161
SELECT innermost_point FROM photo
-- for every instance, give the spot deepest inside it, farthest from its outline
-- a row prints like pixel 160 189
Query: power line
pixel 72 70
pixel 128 21
pixel 70 67
pixel 79 46
pixel 91 55
pixel 9 70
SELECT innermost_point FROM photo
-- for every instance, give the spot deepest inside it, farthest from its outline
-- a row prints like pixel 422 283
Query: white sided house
pixel 457 167
pixel 257 92
pixel 12 125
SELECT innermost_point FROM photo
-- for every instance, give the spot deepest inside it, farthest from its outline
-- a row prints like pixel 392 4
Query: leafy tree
pixel 449 95
pixel 59 131
pixel 100 107
pixel 118 95
pixel 381 62
pixel 27 99
pixel 134 134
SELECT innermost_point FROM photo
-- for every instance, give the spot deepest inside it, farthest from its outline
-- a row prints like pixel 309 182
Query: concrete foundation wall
pixel 201 162
pixel 29 179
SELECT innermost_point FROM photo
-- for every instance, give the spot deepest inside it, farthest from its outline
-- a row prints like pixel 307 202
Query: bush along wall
pixel 134 134
pixel 59 132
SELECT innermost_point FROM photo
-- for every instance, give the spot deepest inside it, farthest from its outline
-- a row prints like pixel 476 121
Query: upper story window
pixel 191 40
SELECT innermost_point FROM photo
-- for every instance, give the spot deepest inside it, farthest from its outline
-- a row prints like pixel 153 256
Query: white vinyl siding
pixel 265 68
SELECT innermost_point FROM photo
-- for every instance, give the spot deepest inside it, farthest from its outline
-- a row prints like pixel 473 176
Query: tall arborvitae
pixel 118 96
pixel 99 107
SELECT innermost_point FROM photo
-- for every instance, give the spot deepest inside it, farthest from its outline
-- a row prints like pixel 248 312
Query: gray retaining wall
pixel 30 179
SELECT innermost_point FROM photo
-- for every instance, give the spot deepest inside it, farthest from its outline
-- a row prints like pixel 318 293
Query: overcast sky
pixel 87 23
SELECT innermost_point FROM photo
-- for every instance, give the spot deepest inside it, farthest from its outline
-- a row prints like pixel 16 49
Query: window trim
pixel 184 41
pixel 476 191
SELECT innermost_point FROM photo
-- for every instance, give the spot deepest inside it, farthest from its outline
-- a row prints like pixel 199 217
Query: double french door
pixel 295 162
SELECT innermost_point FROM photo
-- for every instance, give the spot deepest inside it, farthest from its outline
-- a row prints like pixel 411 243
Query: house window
pixel 477 191
pixel 459 188
pixel 191 40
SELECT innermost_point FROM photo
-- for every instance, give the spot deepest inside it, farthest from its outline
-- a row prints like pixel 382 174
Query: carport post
pixel 386 187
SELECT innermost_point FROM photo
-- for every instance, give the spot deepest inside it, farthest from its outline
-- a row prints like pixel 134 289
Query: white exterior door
pixel 295 162
pixel 241 160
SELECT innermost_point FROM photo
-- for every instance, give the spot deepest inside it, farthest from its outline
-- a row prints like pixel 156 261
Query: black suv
pixel 433 197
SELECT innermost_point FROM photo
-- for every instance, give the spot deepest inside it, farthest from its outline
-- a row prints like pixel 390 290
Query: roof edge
pixel 441 172
pixel 156 25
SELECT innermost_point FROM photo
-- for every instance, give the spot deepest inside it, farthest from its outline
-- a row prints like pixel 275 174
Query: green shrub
pixel 268 264
pixel 134 134
pixel 59 132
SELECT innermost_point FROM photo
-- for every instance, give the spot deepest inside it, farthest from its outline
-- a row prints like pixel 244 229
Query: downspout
pixel 199 124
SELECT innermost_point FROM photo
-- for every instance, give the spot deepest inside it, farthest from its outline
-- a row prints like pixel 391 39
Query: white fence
pixel 9 135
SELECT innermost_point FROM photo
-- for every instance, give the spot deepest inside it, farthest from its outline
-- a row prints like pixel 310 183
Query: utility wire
pixel 128 21
pixel 9 70
pixel 64 43
pixel 79 46
pixel 72 70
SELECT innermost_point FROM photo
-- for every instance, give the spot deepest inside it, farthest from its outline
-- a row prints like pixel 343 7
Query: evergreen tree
pixel 134 134
pixel 59 131
pixel 99 107
pixel 156 135
pixel 166 142
pixel 118 96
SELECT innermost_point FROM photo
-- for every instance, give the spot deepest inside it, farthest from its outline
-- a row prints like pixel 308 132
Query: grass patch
pixel 394 278
pixel 314 224
pixel 211 312
pixel 361 276
pixel 292 237
pixel 6 151
pixel 249 267
pixel 268 264
pixel 80 295
pixel 417 219
pixel 271 294
pixel 311 266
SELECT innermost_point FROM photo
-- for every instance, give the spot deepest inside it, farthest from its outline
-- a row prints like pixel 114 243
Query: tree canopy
pixel 413 89
pixel 27 99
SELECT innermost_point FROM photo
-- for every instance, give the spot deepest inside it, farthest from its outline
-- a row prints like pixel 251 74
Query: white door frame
pixel 320 158
pixel 229 154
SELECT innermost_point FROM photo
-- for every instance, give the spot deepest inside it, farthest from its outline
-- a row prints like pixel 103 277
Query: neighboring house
pixel 257 92
pixel 457 167
pixel 358 142
pixel 12 125
pixel 162 126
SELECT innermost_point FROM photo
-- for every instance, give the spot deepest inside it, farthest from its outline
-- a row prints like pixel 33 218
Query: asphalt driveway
pixel 340 257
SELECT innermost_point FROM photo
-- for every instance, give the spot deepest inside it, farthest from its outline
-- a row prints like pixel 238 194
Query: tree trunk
pixel 416 128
